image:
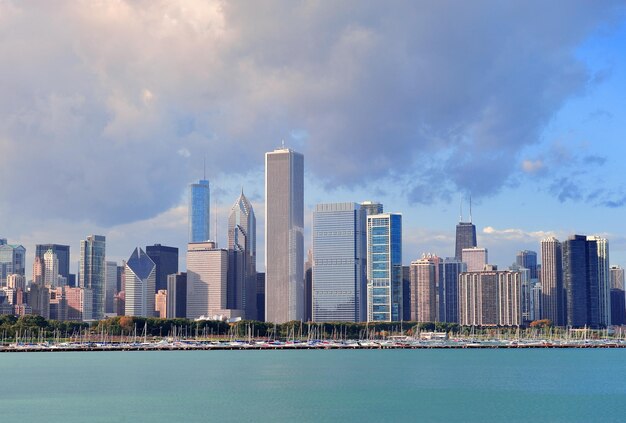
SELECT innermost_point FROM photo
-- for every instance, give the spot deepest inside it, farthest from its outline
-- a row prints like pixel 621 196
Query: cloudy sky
pixel 108 109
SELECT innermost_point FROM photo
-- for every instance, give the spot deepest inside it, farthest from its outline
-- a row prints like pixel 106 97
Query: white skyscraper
pixel 284 236
pixel 140 276
pixel 51 269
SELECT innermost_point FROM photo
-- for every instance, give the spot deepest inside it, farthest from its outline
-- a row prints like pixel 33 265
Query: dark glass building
pixel 406 293
pixel 177 295
pixel 465 238
pixel 528 260
pixel 260 296
pixel 581 282
pixel 62 253
pixel 449 270
pixel 618 307
pixel 166 261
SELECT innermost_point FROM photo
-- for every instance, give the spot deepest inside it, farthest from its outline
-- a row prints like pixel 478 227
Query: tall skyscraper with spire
pixel 241 291
pixel 284 236
pixel 200 211
pixel 465 234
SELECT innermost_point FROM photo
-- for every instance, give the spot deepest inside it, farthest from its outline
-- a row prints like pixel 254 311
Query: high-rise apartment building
pixel 528 260
pixel 79 303
pixel 92 272
pixel 449 270
pixel 140 275
pixel 241 292
pixel 581 281
pixel 284 236
pixel 166 261
pixel 207 268
pixel 199 211
pixel 384 267
pixel 339 275
pixel 604 280
pixel 475 257
pixel 536 301
pixel 490 298
pixel 62 253
pixel 424 289
pixel 553 305
pixel 12 261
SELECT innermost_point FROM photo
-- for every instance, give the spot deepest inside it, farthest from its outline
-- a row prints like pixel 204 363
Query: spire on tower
pixel 460 207
pixel 470 211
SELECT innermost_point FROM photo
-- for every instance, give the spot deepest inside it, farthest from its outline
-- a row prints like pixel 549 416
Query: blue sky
pixel 109 108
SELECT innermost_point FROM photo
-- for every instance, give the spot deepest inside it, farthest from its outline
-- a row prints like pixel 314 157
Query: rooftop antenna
pixel 460 207
pixel 204 167
pixel 215 213
pixel 470 208
pixel 283 144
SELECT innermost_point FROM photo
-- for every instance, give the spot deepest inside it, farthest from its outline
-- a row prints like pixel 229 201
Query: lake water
pixel 315 385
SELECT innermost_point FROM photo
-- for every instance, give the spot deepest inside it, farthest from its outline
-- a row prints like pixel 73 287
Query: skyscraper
pixel 284 236
pixel 92 272
pixel 553 304
pixel 528 260
pixel 465 234
pixel 475 257
pixel 580 278
pixel 604 280
pixel 199 211
pixel 207 268
pixel 449 270
pixel 12 261
pixel 51 269
pixel 140 274
pixel 423 290
pixel 242 258
pixel 62 253
pixel 177 295
pixel 166 262
pixel 384 267
pixel 339 279
pixel 489 298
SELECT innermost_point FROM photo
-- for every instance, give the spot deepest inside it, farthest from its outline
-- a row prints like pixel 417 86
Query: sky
pixel 110 108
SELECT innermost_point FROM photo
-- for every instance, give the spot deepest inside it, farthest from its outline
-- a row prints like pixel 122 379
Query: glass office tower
pixel 199 211
pixel 339 275
pixel 384 267
pixel 92 272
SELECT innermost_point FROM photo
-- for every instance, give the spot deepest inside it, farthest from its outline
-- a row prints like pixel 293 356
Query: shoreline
pixel 295 347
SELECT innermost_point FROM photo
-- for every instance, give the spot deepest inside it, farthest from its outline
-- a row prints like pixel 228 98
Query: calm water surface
pixel 303 386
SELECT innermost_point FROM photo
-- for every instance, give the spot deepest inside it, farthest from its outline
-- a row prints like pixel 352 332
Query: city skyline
pixel 449 126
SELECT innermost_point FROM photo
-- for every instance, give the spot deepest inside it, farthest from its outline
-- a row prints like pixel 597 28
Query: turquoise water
pixel 326 385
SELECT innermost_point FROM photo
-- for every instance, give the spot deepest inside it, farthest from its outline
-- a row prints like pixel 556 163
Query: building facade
pixel 177 296
pixel 241 292
pixel 62 253
pixel 475 257
pixel 339 276
pixel 528 260
pixel 166 261
pixel 284 236
pixel 449 270
pixel 384 267
pixel 465 238
pixel 12 261
pixel 199 211
pixel 92 272
pixel 424 289
pixel 553 305
pixel 110 287
pixel 207 269
pixel 604 280
pixel 581 281
pixel 140 275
